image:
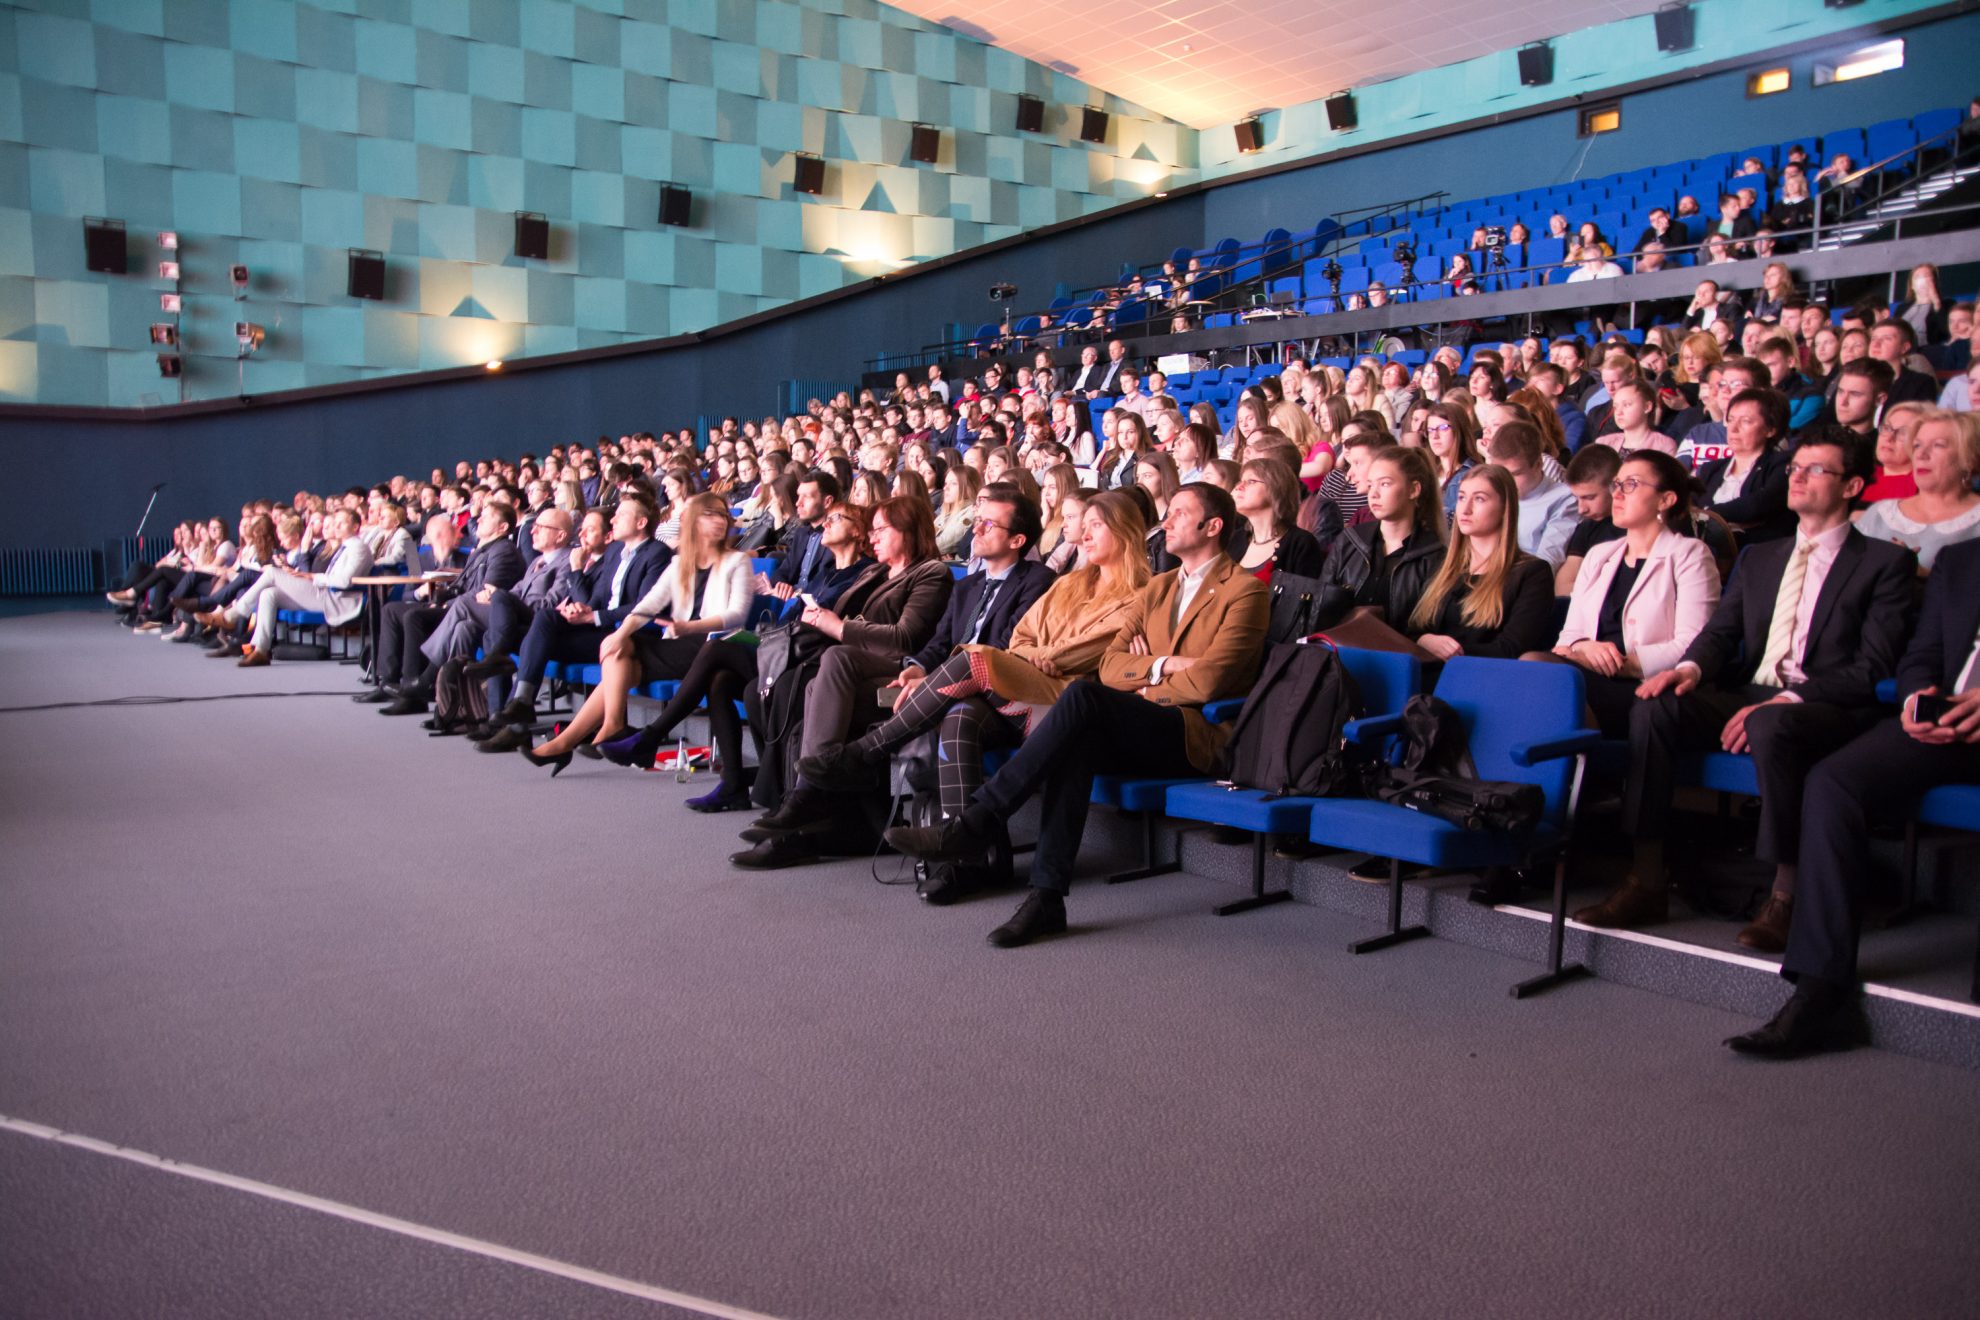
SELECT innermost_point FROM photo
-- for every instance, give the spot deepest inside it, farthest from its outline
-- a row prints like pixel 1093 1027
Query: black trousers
pixel 1880 775
pixel 1091 730
pixel 402 629
pixel 1785 740
pixel 508 623
pixel 551 638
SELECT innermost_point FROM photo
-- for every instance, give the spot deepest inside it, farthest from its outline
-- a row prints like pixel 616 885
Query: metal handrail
pixel 1879 168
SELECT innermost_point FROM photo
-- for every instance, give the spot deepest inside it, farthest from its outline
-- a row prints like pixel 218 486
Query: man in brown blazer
pixel 1196 635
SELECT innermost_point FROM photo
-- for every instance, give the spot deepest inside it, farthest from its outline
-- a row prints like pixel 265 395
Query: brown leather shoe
pixel 1769 931
pixel 253 659
pixel 215 619
pixel 1635 903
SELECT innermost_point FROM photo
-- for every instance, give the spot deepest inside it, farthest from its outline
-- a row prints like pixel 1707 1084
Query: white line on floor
pixel 405 1228
pixel 1744 960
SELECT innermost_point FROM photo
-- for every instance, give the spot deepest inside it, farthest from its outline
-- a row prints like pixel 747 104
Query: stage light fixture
pixel 249 336
pixel 168 270
pixel 170 302
pixel 164 332
pixel 170 365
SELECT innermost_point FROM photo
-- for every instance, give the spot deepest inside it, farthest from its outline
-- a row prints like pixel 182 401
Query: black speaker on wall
pixel 925 144
pixel 1341 114
pixel 532 236
pixel 1030 115
pixel 1674 28
pixel 1536 65
pixel 105 247
pixel 367 274
pixel 1092 125
pixel 809 177
pixel 1250 134
pixel 676 205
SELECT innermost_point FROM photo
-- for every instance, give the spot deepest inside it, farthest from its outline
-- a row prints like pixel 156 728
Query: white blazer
pixel 726 598
pixel 1669 606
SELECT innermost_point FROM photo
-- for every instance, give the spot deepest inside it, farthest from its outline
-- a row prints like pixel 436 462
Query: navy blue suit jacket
pixel 1948 623
pixel 648 560
pixel 1028 581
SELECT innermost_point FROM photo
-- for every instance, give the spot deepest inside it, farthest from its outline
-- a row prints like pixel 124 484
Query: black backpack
pixel 1287 740
pixel 1435 775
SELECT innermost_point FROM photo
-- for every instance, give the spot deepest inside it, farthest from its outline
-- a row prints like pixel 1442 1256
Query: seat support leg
pixel 1149 866
pixel 1397 933
pixel 1259 898
pixel 1556 937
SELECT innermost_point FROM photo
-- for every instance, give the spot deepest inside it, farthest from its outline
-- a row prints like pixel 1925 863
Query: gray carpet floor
pixel 302 944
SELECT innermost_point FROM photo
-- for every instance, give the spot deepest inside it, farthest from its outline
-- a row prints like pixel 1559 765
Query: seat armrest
pixel 1223 712
pixel 1887 693
pixel 1578 743
pixel 1373 728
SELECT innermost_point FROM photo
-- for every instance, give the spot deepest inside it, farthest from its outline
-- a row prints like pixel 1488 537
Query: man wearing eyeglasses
pixel 1196 635
pixel 1786 670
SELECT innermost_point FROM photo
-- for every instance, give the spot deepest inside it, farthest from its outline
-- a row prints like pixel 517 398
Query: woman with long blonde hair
pixel 1490 598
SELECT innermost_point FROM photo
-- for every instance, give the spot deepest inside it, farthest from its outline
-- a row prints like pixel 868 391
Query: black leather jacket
pixel 1410 570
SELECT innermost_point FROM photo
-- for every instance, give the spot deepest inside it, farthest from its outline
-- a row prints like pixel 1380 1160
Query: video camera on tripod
pixel 1495 246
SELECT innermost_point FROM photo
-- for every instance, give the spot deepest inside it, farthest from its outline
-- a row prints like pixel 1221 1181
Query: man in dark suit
pixel 806 562
pixel 406 625
pixel 1881 775
pixel 1087 383
pixel 1786 669
pixel 468 615
pixel 1197 634
pixel 571 633
pixel 1110 374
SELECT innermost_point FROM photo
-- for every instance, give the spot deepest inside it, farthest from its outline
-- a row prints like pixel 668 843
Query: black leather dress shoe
pixel 1042 913
pixel 950 841
pixel 407 703
pixel 777 852
pixel 517 712
pixel 950 882
pixel 840 768
pixel 508 739
pixel 378 696
pixel 1819 1017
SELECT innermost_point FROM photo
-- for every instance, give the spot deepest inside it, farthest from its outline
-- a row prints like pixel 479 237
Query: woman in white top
pixel 1639 601
pixel 705 590
pixel 1945 454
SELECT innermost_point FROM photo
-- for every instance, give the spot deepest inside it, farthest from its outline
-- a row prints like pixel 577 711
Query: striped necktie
pixel 1787 609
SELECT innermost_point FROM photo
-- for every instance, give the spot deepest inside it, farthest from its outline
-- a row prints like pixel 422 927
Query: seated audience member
pixel 1783 363
pixel 1664 231
pixel 1923 309
pixel 957 516
pixel 1387 561
pixel 1879 777
pixel 1550 382
pixel 497 617
pixel 724 672
pixel 1748 487
pixel 406 625
pixel 705 590
pixel 1056 484
pixel 1894 431
pixel 1787 669
pixel 1156 473
pixel 1340 503
pixel 985 696
pixel 392 544
pixel 1945 454
pixel 771 517
pixel 1195 635
pixel 1857 400
pixel 1588 476
pixel 1892 342
pixel 1711 305
pixel 1635 412
pixel 1490 598
pixel 572 632
pixel 1547 511
pixel 328 593
pixel 1640 599
pixel 1268 539
pixel 1724 380
pixel 1451 434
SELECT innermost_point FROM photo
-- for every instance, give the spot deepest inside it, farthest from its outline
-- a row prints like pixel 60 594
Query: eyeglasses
pixel 1250 481
pixel 1630 485
pixel 980 523
pixel 1438 428
pixel 835 517
pixel 1813 470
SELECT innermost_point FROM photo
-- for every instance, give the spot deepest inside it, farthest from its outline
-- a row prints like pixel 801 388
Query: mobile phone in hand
pixel 1932 707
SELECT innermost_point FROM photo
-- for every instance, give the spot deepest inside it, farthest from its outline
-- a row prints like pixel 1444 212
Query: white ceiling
pixel 1211 62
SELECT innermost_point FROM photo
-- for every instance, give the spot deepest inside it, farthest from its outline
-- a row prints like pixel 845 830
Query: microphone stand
pixel 138 535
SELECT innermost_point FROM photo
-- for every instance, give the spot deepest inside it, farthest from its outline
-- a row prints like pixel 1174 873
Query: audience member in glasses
pixel 1786 669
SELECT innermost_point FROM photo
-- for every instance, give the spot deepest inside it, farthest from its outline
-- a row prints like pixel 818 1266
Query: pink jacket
pixel 1670 604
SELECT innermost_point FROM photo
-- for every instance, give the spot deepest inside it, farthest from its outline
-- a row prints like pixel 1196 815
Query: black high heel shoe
pixel 559 761
pixel 591 751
